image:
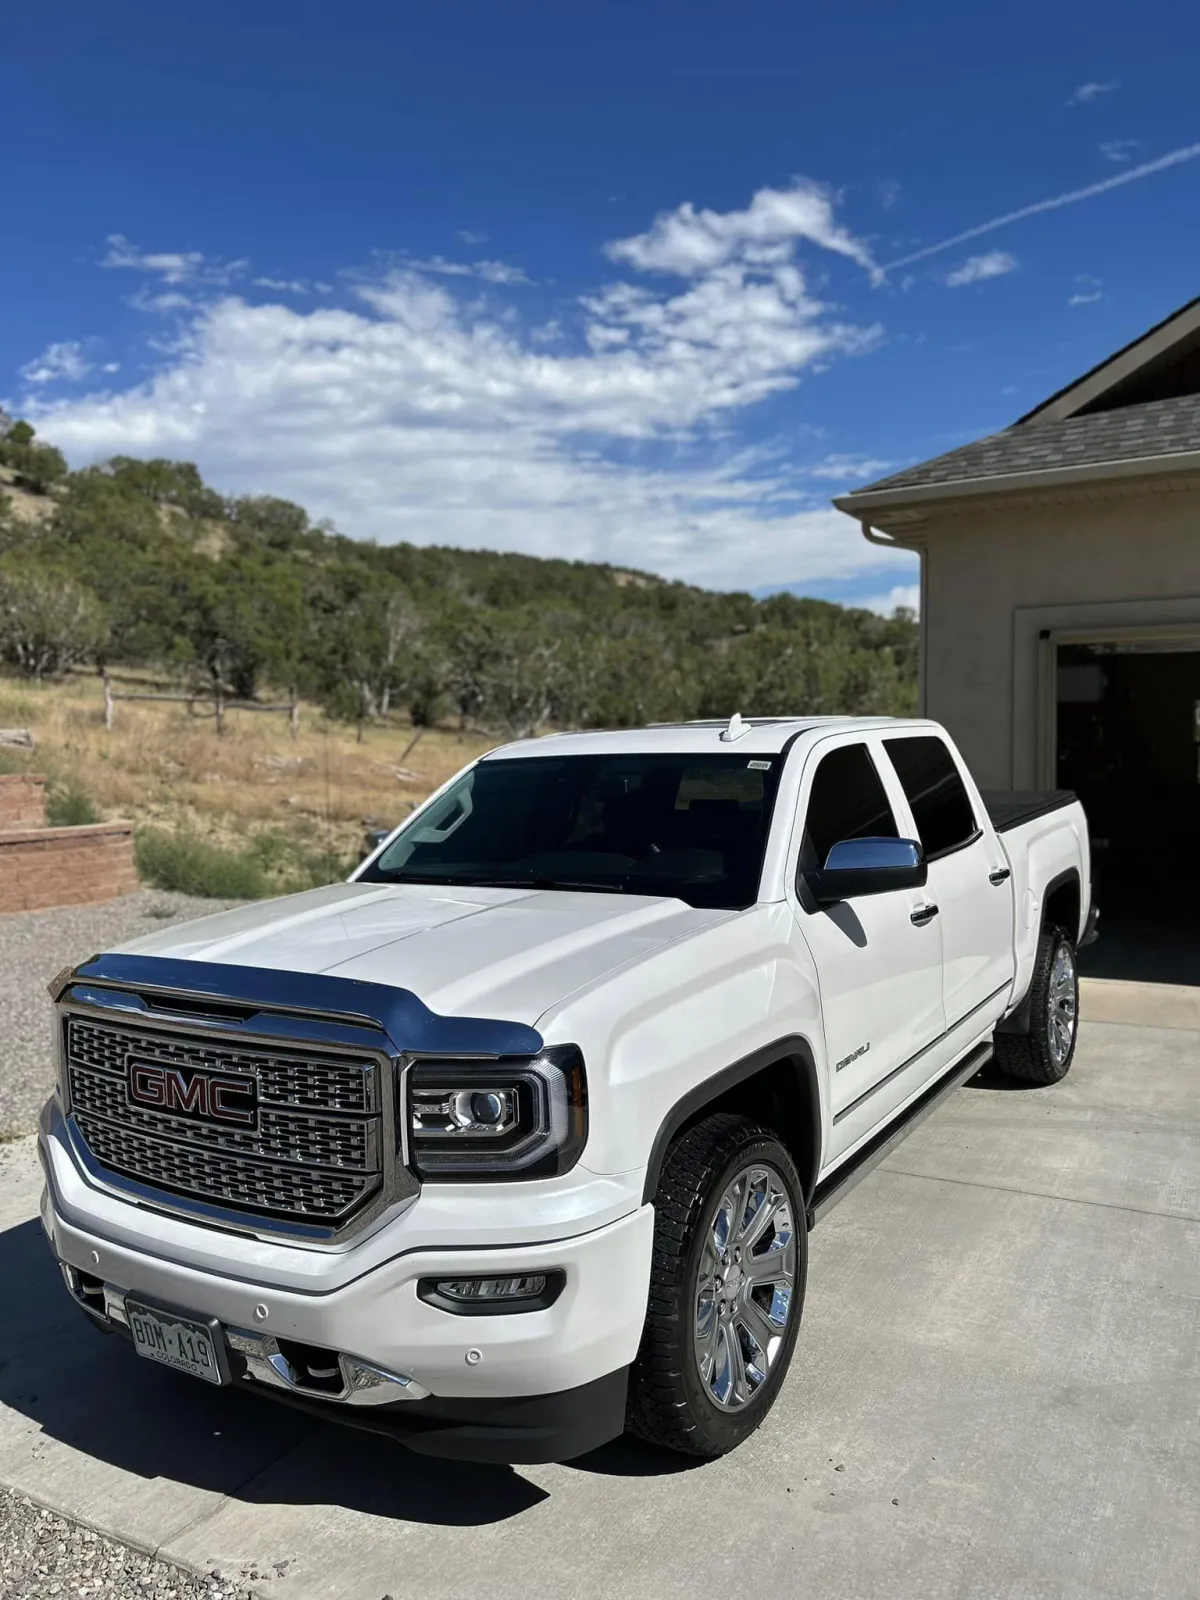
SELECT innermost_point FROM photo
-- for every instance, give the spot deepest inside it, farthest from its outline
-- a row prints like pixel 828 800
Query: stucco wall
pixel 994 579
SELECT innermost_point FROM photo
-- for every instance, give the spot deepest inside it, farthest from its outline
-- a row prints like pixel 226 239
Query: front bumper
pixel 521 1386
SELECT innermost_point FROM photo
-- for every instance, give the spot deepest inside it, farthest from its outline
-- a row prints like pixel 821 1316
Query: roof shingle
pixel 1155 428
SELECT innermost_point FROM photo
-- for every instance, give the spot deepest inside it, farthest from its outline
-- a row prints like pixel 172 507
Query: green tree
pixel 37 467
pixel 48 620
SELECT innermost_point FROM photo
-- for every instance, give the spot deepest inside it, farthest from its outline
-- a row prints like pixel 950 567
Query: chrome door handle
pixel 923 914
pixel 999 876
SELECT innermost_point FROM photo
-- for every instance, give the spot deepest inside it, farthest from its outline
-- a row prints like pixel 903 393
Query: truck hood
pixel 504 953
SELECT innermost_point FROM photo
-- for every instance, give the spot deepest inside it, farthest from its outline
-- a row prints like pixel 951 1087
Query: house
pixel 1060 612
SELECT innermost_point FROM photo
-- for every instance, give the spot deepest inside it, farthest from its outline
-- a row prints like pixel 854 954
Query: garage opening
pixel 1128 743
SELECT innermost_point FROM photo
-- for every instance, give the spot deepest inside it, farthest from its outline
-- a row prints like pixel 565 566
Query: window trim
pixel 953 849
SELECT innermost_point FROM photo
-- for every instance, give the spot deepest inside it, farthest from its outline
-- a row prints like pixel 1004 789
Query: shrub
pixel 191 865
pixel 271 863
pixel 68 804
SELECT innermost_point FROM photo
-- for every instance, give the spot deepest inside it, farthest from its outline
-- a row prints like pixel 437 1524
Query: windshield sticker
pixel 759 766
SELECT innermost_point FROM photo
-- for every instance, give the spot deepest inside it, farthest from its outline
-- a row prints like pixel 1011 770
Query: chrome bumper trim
pixel 363 1383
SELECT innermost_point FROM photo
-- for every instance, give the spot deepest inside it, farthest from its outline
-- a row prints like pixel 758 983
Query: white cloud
pixel 416 413
pixel 691 242
pixel 499 272
pixel 146 299
pixel 1088 290
pixel 171 266
pixel 907 595
pixel 1120 150
pixel 282 285
pixel 468 236
pixel 58 363
pixel 977 268
pixel 1087 92
pixel 1173 158
pixel 845 469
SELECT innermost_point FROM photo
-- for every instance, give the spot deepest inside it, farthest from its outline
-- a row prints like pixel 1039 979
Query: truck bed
pixel 1009 808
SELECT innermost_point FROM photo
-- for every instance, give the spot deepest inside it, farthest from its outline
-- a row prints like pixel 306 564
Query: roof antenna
pixel 735 730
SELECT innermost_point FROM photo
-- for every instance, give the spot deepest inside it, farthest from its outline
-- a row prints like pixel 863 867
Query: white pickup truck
pixel 515 1140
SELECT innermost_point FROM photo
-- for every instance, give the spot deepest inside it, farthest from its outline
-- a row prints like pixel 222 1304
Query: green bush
pixel 191 865
pixel 68 805
pixel 272 863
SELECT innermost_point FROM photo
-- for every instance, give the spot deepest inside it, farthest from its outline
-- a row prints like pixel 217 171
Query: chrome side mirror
pixel 868 866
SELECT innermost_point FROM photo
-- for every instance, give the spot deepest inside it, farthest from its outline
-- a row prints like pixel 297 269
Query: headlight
pixel 498 1119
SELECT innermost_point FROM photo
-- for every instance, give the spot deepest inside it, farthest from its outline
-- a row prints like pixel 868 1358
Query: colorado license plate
pixel 186 1344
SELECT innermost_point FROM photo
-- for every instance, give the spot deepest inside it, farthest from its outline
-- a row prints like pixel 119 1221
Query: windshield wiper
pixel 540 881
pixel 517 881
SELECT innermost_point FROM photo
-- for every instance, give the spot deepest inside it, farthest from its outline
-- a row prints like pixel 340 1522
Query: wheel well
pixel 1062 906
pixel 776 1087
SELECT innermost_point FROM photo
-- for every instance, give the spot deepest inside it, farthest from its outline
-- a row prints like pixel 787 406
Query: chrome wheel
pixel 744 1287
pixel 1063 1004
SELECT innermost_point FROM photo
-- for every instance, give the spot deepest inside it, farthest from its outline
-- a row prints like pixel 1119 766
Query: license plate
pixel 183 1343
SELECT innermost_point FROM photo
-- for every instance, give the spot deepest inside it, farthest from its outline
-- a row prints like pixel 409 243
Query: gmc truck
pixel 515 1140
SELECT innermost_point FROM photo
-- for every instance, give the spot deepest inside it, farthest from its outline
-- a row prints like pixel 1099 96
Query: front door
pixel 879 970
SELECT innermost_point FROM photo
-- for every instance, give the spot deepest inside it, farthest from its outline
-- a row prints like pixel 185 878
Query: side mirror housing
pixel 868 866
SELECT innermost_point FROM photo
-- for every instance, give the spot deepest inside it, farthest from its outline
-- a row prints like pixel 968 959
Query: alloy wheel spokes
pixel 1064 1004
pixel 744 1285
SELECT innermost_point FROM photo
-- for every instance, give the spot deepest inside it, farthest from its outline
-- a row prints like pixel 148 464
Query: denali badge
pixel 185 1092
pixel 853 1056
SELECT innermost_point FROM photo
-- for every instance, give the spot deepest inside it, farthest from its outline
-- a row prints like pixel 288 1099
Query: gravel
pixel 34 945
pixel 44 1555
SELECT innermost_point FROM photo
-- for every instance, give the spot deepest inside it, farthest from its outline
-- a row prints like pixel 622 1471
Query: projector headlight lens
pixel 513 1117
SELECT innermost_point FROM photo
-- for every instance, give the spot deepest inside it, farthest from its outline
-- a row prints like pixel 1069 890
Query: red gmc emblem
pixel 193 1093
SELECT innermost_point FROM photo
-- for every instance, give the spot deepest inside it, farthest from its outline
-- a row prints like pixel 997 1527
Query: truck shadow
pixel 91 1393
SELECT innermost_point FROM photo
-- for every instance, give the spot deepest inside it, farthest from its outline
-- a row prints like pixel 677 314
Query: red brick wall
pixel 41 867
pixel 22 800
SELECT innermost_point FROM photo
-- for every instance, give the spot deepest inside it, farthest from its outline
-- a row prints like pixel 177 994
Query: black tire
pixel 669 1402
pixel 1035 1057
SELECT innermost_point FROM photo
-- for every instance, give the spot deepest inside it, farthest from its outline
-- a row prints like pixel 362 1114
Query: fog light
pixel 491 1288
pixel 527 1291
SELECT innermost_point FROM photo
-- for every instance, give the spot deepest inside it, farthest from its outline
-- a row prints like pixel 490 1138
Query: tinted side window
pixel 847 801
pixel 935 792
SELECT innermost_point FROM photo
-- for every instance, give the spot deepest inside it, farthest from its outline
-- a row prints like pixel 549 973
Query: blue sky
pixel 641 282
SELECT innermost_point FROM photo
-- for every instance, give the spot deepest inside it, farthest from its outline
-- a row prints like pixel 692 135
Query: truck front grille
pixel 311 1154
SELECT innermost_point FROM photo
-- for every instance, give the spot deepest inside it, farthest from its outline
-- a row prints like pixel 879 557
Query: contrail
pixel 1173 159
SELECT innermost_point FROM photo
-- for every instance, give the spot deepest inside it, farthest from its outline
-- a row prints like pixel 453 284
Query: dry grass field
pixel 253 788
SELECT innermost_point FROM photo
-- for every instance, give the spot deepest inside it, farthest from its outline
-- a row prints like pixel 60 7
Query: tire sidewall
pixel 722 1430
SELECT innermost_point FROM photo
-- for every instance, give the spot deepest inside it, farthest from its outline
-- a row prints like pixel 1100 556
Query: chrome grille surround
pixel 319 1166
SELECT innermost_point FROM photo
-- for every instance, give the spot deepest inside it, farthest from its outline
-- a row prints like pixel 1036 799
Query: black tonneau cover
pixel 1009 808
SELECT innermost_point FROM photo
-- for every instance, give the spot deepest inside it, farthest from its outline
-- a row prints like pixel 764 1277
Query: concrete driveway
pixel 996 1393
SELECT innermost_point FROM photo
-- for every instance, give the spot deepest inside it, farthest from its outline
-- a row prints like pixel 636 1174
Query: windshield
pixel 689 826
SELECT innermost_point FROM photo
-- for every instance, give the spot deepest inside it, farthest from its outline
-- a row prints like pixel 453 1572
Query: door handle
pixel 923 914
pixel 999 875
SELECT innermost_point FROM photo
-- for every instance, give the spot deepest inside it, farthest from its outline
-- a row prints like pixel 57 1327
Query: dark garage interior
pixel 1128 743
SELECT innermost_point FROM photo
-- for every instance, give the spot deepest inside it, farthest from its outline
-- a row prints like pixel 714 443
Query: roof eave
pixel 912 496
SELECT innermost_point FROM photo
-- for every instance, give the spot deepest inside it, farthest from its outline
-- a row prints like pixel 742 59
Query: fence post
pixel 294 717
pixel 108 703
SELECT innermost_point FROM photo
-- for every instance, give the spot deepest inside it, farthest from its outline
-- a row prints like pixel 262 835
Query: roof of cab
pixel 755 736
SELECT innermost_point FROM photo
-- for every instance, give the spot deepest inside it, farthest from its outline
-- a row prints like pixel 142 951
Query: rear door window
pixel 936 793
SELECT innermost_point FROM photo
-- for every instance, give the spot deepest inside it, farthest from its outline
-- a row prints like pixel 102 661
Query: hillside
pixel 142 570
pixel 140 563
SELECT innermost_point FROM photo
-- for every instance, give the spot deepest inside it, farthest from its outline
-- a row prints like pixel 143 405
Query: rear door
pixel 879 972
pixel 969 877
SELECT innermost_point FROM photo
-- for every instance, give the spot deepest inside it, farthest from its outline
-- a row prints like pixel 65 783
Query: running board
pixel 839 1184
